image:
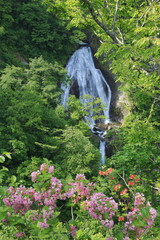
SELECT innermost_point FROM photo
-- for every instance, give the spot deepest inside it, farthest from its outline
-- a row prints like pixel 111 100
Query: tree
pixel 28 118
pixel 77 154
pixel 27 30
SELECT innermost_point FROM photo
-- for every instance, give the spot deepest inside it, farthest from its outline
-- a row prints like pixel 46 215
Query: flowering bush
pixel 140 219
pixel 39 211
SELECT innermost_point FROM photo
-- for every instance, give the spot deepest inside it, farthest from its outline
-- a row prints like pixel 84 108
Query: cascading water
pixel 91 82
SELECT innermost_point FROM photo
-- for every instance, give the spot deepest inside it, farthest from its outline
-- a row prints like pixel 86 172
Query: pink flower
pixel 80 177
pixel 153 212
pixel 107 223
pixel 43 225
pixel 73 231
pixel 50 169
pixel 34 175
pixel 19 234
pixel 11 190
pixel 139 199
pixel 56 184
pixel 139 204
pixel 43 167
pixel 98 205
pixel 126 238
pixel 4 220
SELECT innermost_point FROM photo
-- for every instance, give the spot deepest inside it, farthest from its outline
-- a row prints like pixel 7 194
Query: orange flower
pixel 110 170
pixel 111 178
pixel 137 180
pixel 121 218
pixel 117 187
pixel 132 176
pixel 124 191
pixel 131 183
pixel 101 173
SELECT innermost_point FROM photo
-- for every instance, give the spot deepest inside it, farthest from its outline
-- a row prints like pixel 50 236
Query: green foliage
pixel 27 30
pixel 41 33
pixel 77 154
pixel 90 230
pixel 6 19
pixel 3 172
pixel 28 98
pixel 43 78
pixel 84 109
pixel 136 144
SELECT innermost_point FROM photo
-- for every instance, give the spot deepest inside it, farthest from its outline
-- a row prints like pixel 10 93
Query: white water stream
pixel 81 68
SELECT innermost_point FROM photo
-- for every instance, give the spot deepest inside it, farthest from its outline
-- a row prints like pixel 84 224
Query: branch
pixel 143 14
pixel 126 183
pixel 151 110
pixel 122 39
pixel 95 18
pixel 115 16
pixel 72 213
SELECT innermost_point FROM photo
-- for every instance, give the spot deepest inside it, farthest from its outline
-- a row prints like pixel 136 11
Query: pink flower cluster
pixel 73 231
pixel 141 212
pixel 44 167
pixel 43 224
pixel 81 191
pixel 19 199
pixel 19 234
pixel 99 205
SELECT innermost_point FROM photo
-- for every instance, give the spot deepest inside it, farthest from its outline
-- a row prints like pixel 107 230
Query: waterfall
pixel 81 68
pixel 102 148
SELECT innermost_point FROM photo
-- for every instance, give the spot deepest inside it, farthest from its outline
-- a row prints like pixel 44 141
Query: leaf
pixel 56 214
pixel 7 154
pixel 145 212
pixel 69 178
pixel 13 179
pixel 136 223
pixel 120 236
pixel 2 159
pixel 105 215
pixel 72 222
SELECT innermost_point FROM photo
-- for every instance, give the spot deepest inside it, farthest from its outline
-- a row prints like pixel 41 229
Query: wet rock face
pixel 75 89
pixel 120 106
pixel 108 126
